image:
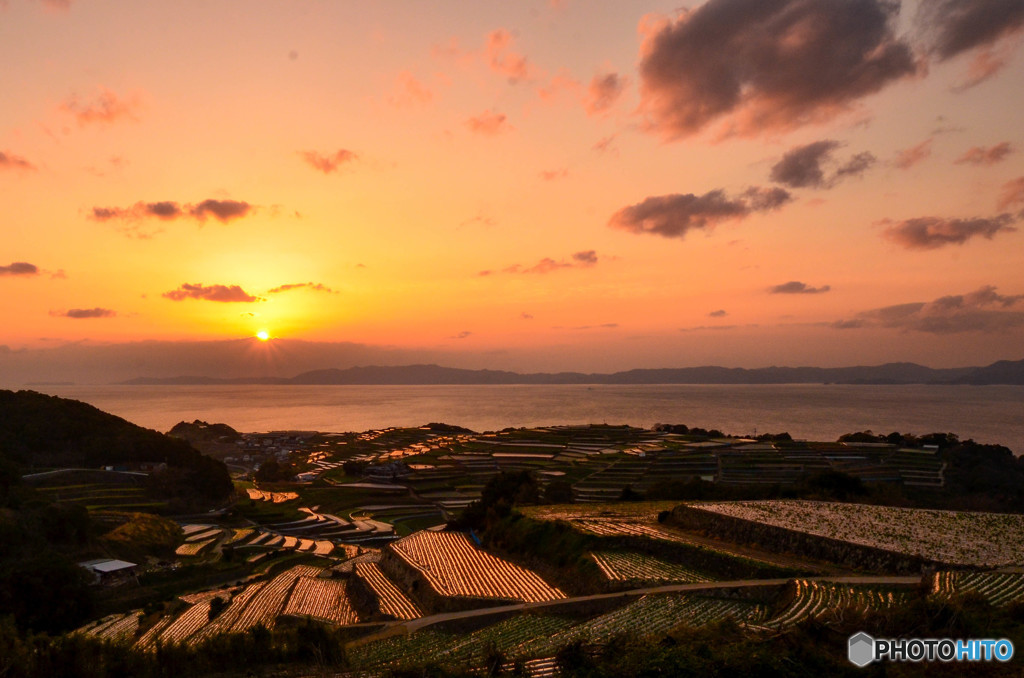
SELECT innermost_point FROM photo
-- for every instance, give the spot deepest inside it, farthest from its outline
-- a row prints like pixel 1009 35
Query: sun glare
pixel 263 335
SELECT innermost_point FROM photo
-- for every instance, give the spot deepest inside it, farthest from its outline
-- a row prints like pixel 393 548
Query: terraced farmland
pixel 640 567
pixel 459 649
pixel 264 607
pixel 813 599
pixel 453 566
pixel 323 599
pixel 193 548
pixel 390 598
pixel 117 627
pixel 953 537
pixel 998 588
pixel 648 616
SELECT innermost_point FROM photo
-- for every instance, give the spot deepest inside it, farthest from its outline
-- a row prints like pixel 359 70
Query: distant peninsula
pixel 1004 372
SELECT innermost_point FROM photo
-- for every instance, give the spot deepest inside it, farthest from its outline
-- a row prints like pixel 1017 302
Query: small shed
pixel 107 571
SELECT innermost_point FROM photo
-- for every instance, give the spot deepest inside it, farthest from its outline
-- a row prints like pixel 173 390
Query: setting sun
pixel 263 335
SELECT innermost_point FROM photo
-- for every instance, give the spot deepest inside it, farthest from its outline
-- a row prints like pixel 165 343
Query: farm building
pixel 107 571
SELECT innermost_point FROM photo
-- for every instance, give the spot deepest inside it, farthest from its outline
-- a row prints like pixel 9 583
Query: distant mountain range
pixel 1002 372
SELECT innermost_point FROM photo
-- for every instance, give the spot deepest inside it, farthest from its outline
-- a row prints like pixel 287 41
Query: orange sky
pixel 530 185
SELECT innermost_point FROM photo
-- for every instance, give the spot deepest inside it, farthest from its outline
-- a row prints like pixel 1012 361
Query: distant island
pixel 1006 372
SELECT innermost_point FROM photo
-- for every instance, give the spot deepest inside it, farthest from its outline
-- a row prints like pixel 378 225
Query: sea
pixel 988 414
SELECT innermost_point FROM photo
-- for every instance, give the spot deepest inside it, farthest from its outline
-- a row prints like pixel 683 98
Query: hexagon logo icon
pixel 862 649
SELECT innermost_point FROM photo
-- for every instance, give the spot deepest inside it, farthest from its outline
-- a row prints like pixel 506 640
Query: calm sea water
pixel 990 414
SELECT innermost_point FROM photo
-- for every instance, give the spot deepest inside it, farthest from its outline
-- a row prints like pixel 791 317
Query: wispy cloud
pixel 980 155
pixel 1012 193
pixel 106 107
pixel 602 93
pixel 221 293
pixel 908 157
pixel 410 92
pixel 797 287
pixel 328 162
pixel 929 233
pixel 11 161
pixel 805 166
pixel 675 215
pixel 312 287
pixel 720 313
pixel 488 123
pixel 551 175
pixel 602 326
pixel 84 313
pixel 169 210
pixel 19 268
pixel 983 310
pixel 758 66
pixel 582 259
pixel 504 59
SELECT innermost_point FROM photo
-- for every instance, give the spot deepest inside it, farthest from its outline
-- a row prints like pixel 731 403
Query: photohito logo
pixel 863 649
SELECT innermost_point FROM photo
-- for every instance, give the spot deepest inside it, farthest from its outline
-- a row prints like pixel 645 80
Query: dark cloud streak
pixel 929 233
pixel 797 287
pixel 802 167
pixel 674 215
pixel 220 293
pixel 19 268
pixel 983 310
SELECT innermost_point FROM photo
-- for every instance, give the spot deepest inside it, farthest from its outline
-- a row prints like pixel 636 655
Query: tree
pixel 559 492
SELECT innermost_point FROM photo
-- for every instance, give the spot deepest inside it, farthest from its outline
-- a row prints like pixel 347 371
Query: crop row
pixel 613 528
pixel 186 624
pixel 118 627
pixel 324 599
pixel 193 548
pixel 390 598
pixel 266 605
pixel 430 645
pixel 1000 588
pixel 648 616
pixel 454 567
pixel 955 537
pixel 227 618
pixel 814 599
pixel 632 566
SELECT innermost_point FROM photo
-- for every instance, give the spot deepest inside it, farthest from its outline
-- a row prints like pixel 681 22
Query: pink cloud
pixel 503 59
pixel 328 162
pixel 410 92
pixel 488 123
pixel 105 108
pixel 603 92
pixel 980 155
pixel 908 157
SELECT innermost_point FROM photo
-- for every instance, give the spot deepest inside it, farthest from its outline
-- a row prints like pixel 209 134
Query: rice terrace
pixel 535 551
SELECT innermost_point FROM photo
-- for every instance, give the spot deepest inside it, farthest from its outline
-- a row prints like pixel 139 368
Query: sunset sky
pixel 517 185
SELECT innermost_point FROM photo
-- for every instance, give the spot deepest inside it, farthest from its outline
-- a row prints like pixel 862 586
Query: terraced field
pixel 528 636
pixel 450 648
pixel 997 587
pixel 648 616
pixel 453 566
pixel 814 599
pixel 322 599
pixel 390 598
pixel 116 627
pixel 953 537
pixel 642 568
